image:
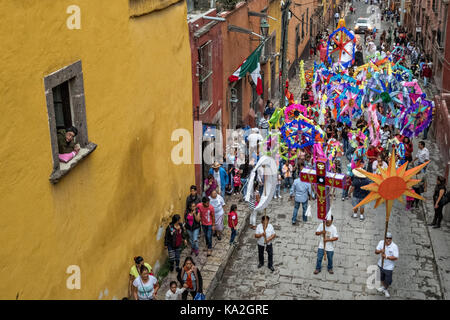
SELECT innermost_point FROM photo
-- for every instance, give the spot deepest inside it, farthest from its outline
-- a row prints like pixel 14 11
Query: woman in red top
pixel 173 240
pixel 427 73
pixel 372 154
pixel 232 222
pixel 408 149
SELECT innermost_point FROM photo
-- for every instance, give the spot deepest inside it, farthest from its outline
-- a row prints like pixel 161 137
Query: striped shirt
pixel 252 203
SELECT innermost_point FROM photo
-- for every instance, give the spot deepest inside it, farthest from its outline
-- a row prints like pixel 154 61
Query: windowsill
pixel 65 168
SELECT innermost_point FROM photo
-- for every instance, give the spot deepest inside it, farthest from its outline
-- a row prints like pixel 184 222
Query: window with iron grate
pixel 205 75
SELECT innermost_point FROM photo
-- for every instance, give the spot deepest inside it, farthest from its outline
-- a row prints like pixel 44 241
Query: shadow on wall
pixel 130 225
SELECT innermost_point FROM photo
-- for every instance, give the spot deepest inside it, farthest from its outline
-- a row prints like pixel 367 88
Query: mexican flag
pixel 251 64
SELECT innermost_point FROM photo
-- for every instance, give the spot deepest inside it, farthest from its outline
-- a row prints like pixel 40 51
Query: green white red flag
pixel 251 65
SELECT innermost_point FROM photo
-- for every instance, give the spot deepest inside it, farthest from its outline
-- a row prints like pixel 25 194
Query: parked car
pixel 362 24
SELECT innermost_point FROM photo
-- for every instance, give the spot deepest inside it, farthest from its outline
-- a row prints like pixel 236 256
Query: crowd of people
pixel 205 211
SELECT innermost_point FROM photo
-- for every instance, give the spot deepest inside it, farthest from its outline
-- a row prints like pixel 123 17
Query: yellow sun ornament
pixel 391 184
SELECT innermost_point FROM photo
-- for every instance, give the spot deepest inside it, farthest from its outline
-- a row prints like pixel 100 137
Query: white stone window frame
pixel 74 76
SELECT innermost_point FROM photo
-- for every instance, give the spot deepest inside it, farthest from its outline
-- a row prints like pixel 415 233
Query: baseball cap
pixel 389 235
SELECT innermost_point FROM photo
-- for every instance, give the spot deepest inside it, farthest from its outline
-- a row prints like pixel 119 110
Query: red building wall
pixel 211 115
pixel 236 48
pixel 446 65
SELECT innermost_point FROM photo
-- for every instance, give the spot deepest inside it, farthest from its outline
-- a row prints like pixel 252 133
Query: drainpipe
pixel 402 12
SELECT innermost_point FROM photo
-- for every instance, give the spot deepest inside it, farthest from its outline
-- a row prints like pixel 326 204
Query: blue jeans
pixel 277 191
pixel 207 230
pixel 233 235
pixel 288 183
pixel 346 144
pixel 320 254
pixel 193 238
pixel 261 190
pixel 349 153
pixel 425 132
pixel 345 193
pixel 244 183
pixel 296 207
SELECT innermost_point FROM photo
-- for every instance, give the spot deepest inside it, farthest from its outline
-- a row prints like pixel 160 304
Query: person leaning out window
pixel 66 142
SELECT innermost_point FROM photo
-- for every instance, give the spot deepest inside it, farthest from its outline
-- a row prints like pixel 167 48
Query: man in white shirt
pixel 254 139
pixel 423 155
pixel 265 233
pixel 390 254
pixel 331 235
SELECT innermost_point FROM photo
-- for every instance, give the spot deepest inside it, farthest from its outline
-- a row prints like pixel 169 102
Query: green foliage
pixel 163 271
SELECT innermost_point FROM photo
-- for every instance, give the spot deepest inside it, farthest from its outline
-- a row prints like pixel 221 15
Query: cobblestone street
pixel 422 271
pixel 295 250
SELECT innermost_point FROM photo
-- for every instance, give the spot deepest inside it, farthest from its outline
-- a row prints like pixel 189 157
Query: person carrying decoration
pixel 329 236
pixel 389 254
pixel 265 233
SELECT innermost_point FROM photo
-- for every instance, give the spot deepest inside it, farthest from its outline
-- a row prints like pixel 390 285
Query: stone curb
pixel 214 268
pixel 209 291
pixel 427 213
pixel 436 266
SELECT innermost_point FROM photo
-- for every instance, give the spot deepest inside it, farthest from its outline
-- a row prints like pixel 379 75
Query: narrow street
pixel 415 275
pixel 295 250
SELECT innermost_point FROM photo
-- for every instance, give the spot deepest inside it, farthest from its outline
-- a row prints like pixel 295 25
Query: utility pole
pixel 284 46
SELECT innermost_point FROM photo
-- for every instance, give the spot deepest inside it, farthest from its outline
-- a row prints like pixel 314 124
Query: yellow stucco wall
pixel 138 89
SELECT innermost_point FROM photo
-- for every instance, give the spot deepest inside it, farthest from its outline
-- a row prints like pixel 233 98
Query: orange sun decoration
pixel 392 184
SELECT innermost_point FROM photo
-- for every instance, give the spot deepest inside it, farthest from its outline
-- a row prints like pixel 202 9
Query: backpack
pixel 445 199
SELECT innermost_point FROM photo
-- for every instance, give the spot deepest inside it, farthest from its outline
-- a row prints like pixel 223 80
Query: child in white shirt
pixel 174 293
